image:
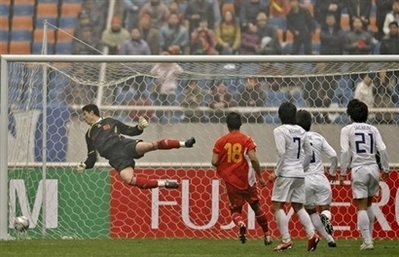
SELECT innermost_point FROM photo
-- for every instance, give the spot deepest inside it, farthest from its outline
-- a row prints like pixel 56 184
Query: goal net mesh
pixel 180 100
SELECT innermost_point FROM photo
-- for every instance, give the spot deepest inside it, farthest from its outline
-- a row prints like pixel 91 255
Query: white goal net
pixel 42 137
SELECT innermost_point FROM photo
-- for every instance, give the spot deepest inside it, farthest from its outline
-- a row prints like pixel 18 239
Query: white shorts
pixel 289 190
pixel 318 190
pixel 365 181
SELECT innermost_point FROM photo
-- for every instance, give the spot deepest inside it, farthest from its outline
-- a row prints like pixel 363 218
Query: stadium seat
pixel 22 23
pixel 5 25
pixel 21 35
pixel 23 2
pixel 23 9
pixel 20 47
pixel 4 35
pixel 73 1
pixel 71 9
pixel 298 100
pixel 279 22
pixel 47 10
pixel 3 47
pixel 38 35
pixel 37 48
pixel 63 48
pixel 345 22
pixel 4 10
pixel 67 22
pixel 65 36
pixel 39 22
pixel 51 1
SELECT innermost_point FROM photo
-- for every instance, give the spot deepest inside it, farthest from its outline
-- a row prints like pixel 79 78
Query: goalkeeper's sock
pixel 371 216
pixel 237 218
pixel 315 217
pixel 327 213
pixel 306 222
pixel 262 220
pixel 364 223
pixel 282 224
pixel 143 183
pixel 166 144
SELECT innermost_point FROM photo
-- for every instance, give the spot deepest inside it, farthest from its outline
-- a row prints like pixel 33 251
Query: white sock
pixel 182 143
pixel 282 224
pixel 364 223
pixel 371 216
pixel 315 217
pixel 161 183
pixel 327 213
pixel 306 222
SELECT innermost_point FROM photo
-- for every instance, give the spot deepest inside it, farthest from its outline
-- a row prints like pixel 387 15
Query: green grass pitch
pixel 185 248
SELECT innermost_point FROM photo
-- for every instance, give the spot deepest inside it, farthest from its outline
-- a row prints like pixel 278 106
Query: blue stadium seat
pixel 21 35
pixel 4 35
pixel 40 21
pixel 274 99
pixel 279 22
pixel 51 1
pixel 23 9
pixel 37 48
pixel 63 48
pixel 67 22
pixel 4 10
pixel 297 99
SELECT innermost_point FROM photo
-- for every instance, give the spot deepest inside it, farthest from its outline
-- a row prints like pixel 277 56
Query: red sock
pixel 165 144
pixel 143 183
pixel 262 221
pixel 237 218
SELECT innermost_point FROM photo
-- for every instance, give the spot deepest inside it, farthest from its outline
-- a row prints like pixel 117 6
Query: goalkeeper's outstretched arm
pixel 91 156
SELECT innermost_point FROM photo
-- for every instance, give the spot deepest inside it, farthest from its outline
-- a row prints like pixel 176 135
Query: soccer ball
pixel 21 223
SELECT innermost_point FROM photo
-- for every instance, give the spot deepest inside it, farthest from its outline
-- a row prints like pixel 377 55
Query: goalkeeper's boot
pixel 190 142
pixel 365 246
pixel 243 230
pixel 267 240
pixel 332 244
pixel 312 243
pixel 171 184
pixel 327 224
pixel 284 246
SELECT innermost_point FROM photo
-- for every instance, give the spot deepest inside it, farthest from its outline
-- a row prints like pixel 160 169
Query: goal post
pixel 42 137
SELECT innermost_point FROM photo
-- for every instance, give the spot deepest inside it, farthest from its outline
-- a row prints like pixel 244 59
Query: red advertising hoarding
pixel 199 209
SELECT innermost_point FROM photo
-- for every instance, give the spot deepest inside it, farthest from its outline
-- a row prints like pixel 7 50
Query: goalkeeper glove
pixel 143 123
pixel 81 168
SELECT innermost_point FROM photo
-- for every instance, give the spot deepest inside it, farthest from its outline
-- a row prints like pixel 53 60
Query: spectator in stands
pixel 252 95
pixel 141 99
pixel 84 21
pixel 158 12
pixel 115 36
pixel 131 13
pixel 358 41
pixel 319 92
pixel 331 37
pixel 174 8
pixel 301 24
pixel 97 11
pixel 228 34
pixel 390 43
pixel 383 7
pixel 173 37
pixel 221 99
pixel 149 34
pixel 270 44
pixel 250 40
pixel 198 10
pixel 88 44
pixel 383 96
pixel 135 45
pixel 359 9
pixel 322 8
pixel 278 8
pixel 203 40
pixel 364 91
pixel 250 10
pixel 192 98
pixel 391 16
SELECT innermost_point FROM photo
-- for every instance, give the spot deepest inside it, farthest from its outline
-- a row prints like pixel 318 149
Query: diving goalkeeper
pixel 105 137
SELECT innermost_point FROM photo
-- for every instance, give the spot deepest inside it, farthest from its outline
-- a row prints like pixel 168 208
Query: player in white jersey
pixel 317 185
pixel 288 177
pixel 359 145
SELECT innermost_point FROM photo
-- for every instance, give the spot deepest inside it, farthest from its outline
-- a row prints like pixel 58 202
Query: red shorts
pixel 238 198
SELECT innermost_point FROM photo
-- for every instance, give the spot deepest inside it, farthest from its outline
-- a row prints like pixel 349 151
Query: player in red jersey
pixel 236 161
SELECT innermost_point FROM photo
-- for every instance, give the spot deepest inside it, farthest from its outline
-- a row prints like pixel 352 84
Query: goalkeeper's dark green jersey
pixel 102 137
